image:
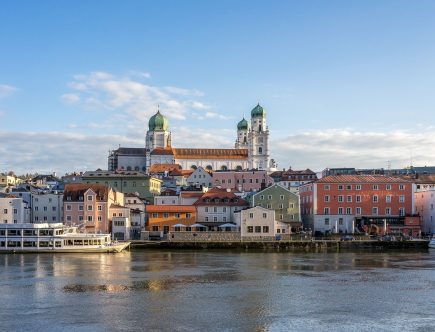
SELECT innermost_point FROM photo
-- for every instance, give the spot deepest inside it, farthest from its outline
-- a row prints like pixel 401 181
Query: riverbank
pixel 305 245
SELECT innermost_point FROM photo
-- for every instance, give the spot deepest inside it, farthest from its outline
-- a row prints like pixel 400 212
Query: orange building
pixel 162 218
pixel 349 203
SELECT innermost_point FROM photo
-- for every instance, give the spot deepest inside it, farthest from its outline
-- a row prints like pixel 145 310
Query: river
pixel 218 291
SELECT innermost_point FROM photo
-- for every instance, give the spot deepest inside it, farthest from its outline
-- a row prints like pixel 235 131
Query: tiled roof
pixel 117 206
pixel 187 153
pixel 222 197
pixel 361 179
pixel 113 174
pixel 131 151
pixel 160 168
pixel 170 208
pixel 162 151
pixel 76 190
pixel 190 195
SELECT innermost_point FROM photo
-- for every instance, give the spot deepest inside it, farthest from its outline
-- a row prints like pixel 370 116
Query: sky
pixel 344 83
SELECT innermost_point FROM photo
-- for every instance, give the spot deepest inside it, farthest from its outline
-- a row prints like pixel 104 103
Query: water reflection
pixel 218 290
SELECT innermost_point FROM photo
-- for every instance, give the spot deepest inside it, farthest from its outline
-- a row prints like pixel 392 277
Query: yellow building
pixel 7 180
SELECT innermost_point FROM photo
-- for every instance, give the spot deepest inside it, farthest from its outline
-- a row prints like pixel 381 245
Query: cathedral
pixel 251 149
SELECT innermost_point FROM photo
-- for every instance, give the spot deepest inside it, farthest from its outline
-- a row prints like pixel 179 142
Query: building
pixel 243 181
pixel 292 179
pixel 167 197
pixel 200 177
pixel 46 207
pixel 9 180
pixel 163 218
pixel 218 206
pixel 13 210
pixel 91 206
pixel 356 203
pixel 258 223
pixel 251 148
pixel 126 182
pixel 283 202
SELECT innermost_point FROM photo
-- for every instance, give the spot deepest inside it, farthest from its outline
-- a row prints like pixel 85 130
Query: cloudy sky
pixel 345 83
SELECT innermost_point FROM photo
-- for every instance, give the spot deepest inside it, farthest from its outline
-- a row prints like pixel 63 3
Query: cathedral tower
pixel 242 134
pixel 258 139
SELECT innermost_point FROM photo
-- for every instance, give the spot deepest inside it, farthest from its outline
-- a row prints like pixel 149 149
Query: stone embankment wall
pixel 204 237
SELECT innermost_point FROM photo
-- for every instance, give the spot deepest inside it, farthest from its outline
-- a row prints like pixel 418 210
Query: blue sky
pixel 345 83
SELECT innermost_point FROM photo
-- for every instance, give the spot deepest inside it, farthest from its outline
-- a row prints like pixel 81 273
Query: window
pixel 100 208
pixel 340 198
pixel 326 198
pixel 224 219
pixel 326 221
pixel 387 211
pixel 281 217
pixel 375 211
pixel 206 209
pixel 401 211
pixel 165 215
pixel 326 210
pixel 250 229
pixel 401 187
pixel 120 214
pixel 155 215
pixel 68 218
pixel 375 198
pixel 89 198
pixel 281 197
pixel 215 219
pixel 388 199
pixel 188 215
pixel 340 210
pixel 45 208
pixel 388 187
pixel 265 229
pixel 281 206
pixel 261 196
pixel 89 207
pixel 80 218
pixel 326 187
pixel 99 218
pixel 340 221
pixel 80 207
pixel 269 196
pixel 206 218
pixel 349 187
pixel 15 211
pixel 215 209
pixel 375 187
pixel 340 187
pixel 177 215
pixel 257 229
pixel 349 198
pixel 53 208
pixel 358 199
pixel 401 199
pixel 264 215
pixel 251 215
pixel 358 187
pixel 269 206
pixel 348 210
pixel 358 210
pixel 224 209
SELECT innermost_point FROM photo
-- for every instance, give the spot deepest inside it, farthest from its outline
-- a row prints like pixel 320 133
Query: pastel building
pixel 259 223
pixel 284 202
pixel 293 179
pixel 89 206
pixel 243 181
pixel 424 207
pixel 163 218
pixel 47 207
pixel 349 203
pixel 13 210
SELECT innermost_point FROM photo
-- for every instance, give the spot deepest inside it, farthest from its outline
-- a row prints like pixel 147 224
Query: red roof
pixel 75 191
pixel 223 197
pixel 170 208
pixel 361 179
pixel 162 151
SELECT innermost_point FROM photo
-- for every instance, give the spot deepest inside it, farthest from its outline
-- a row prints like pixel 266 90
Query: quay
pixel 294 245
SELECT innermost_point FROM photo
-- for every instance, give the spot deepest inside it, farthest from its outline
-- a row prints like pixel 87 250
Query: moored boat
pixel 432 242
pixel 40 238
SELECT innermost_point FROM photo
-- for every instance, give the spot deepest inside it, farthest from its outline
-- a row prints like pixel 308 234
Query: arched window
pixel 260 150
pixel 224 168
pixel 239 168
pixel 128 168
pixel 136 168
pixel 208 167
pixel 193 167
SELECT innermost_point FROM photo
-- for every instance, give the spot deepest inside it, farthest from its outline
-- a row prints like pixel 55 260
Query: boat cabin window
pixel 3 232
pixel 2 243
pixel 14 232
pixel 28 244
pixel 58 244
pixel 45 232
pixel 44 244
pixel 14 243
pixel 29 232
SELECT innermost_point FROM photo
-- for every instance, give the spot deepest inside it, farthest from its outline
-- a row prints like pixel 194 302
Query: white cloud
pixel 348 148
pixel 214 115
pixel 102 90
pixel 70 98
pixel 6 90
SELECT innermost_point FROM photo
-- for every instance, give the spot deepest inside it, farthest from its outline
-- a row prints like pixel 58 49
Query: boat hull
pixel 115 248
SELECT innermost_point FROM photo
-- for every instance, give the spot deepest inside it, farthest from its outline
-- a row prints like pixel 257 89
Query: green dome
pixel 242 125
pixel 258 111
pixel 158 122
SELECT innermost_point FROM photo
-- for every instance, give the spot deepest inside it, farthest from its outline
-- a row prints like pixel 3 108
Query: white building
pixel 200 177
pixel 259 222
pixel 47 207
pixel 13 210
pixel 424 206
pixel 251 148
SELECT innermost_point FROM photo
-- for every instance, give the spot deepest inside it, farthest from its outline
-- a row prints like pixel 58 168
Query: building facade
pixel 259 223
pixel 251 149
pixel 349 203
pixel 243 181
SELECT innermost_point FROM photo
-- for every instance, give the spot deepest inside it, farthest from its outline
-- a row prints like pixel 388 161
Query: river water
pixel 218 291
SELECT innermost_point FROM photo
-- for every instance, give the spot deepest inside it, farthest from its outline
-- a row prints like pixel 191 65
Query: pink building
pixel 242 180
pixel 90 206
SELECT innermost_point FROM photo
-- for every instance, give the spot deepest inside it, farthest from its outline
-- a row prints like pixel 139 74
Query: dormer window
pixel 81 198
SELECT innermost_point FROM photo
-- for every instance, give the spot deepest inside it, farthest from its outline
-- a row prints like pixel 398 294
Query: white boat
pixel 40 238
pixel 432 242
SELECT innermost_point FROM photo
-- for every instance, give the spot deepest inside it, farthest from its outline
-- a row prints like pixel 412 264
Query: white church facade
pixel 251 150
